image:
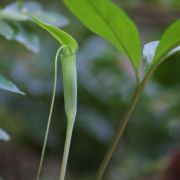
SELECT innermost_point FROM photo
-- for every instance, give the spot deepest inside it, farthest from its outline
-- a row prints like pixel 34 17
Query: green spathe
pixel 68 50
pixel 61 36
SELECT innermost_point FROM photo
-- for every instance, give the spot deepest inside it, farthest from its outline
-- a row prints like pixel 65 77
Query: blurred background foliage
pixel 105 82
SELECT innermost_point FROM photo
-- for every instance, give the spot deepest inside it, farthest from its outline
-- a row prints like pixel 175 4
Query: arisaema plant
pixel 67 52
pixel 109 21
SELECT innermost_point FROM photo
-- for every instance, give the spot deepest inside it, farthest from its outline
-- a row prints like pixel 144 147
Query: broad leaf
pixel 149 51
pixel 63 38
pixel 4 136
pixel 104 18
pixel 9 86
pixel 169 40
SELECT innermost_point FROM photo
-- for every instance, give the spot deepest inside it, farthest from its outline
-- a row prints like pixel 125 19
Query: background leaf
pixel 14 23
pixel 9 86
pixel 104 18
pixel 11 12
pixel 4 136
pixel 170 39
pixel 27 37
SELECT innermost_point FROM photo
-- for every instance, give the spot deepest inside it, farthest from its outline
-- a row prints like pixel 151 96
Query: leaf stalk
pixel 123 123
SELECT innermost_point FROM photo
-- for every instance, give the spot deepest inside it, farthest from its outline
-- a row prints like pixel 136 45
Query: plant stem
pixel 123 124
pixel 69 132
pixel 50 114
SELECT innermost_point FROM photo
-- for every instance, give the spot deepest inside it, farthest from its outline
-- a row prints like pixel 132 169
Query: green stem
pixel 66 150
pixel 123 124
pixel 50 114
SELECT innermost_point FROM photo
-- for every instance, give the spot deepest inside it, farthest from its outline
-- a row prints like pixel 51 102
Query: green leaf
pixel 61 36
pixel 107 20
pixel 149 51
pixel 9 86
pixel 4 136
pixel 6 30
pixel 169 40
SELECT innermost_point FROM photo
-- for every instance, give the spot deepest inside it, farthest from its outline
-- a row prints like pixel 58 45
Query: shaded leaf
pixel 4 136
pixel 11 12
pixel 26 6
pixel 9 86
pixel 110 22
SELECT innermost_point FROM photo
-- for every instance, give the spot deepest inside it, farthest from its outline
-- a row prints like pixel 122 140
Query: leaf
pixel 22 34
pixel 6 30
pixel 26 6
pixel 10 13
pixel 29 8
pixel 52 18
pixel 4 136
pixel 61 36
pixel 16 29
pixel 9 86
pixel 149 51
pixel 169 40
pixel 104 18
pixel 27 37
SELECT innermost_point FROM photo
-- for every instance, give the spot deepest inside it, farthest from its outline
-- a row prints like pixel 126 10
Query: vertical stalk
pixel 120 130
pixel 123 124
